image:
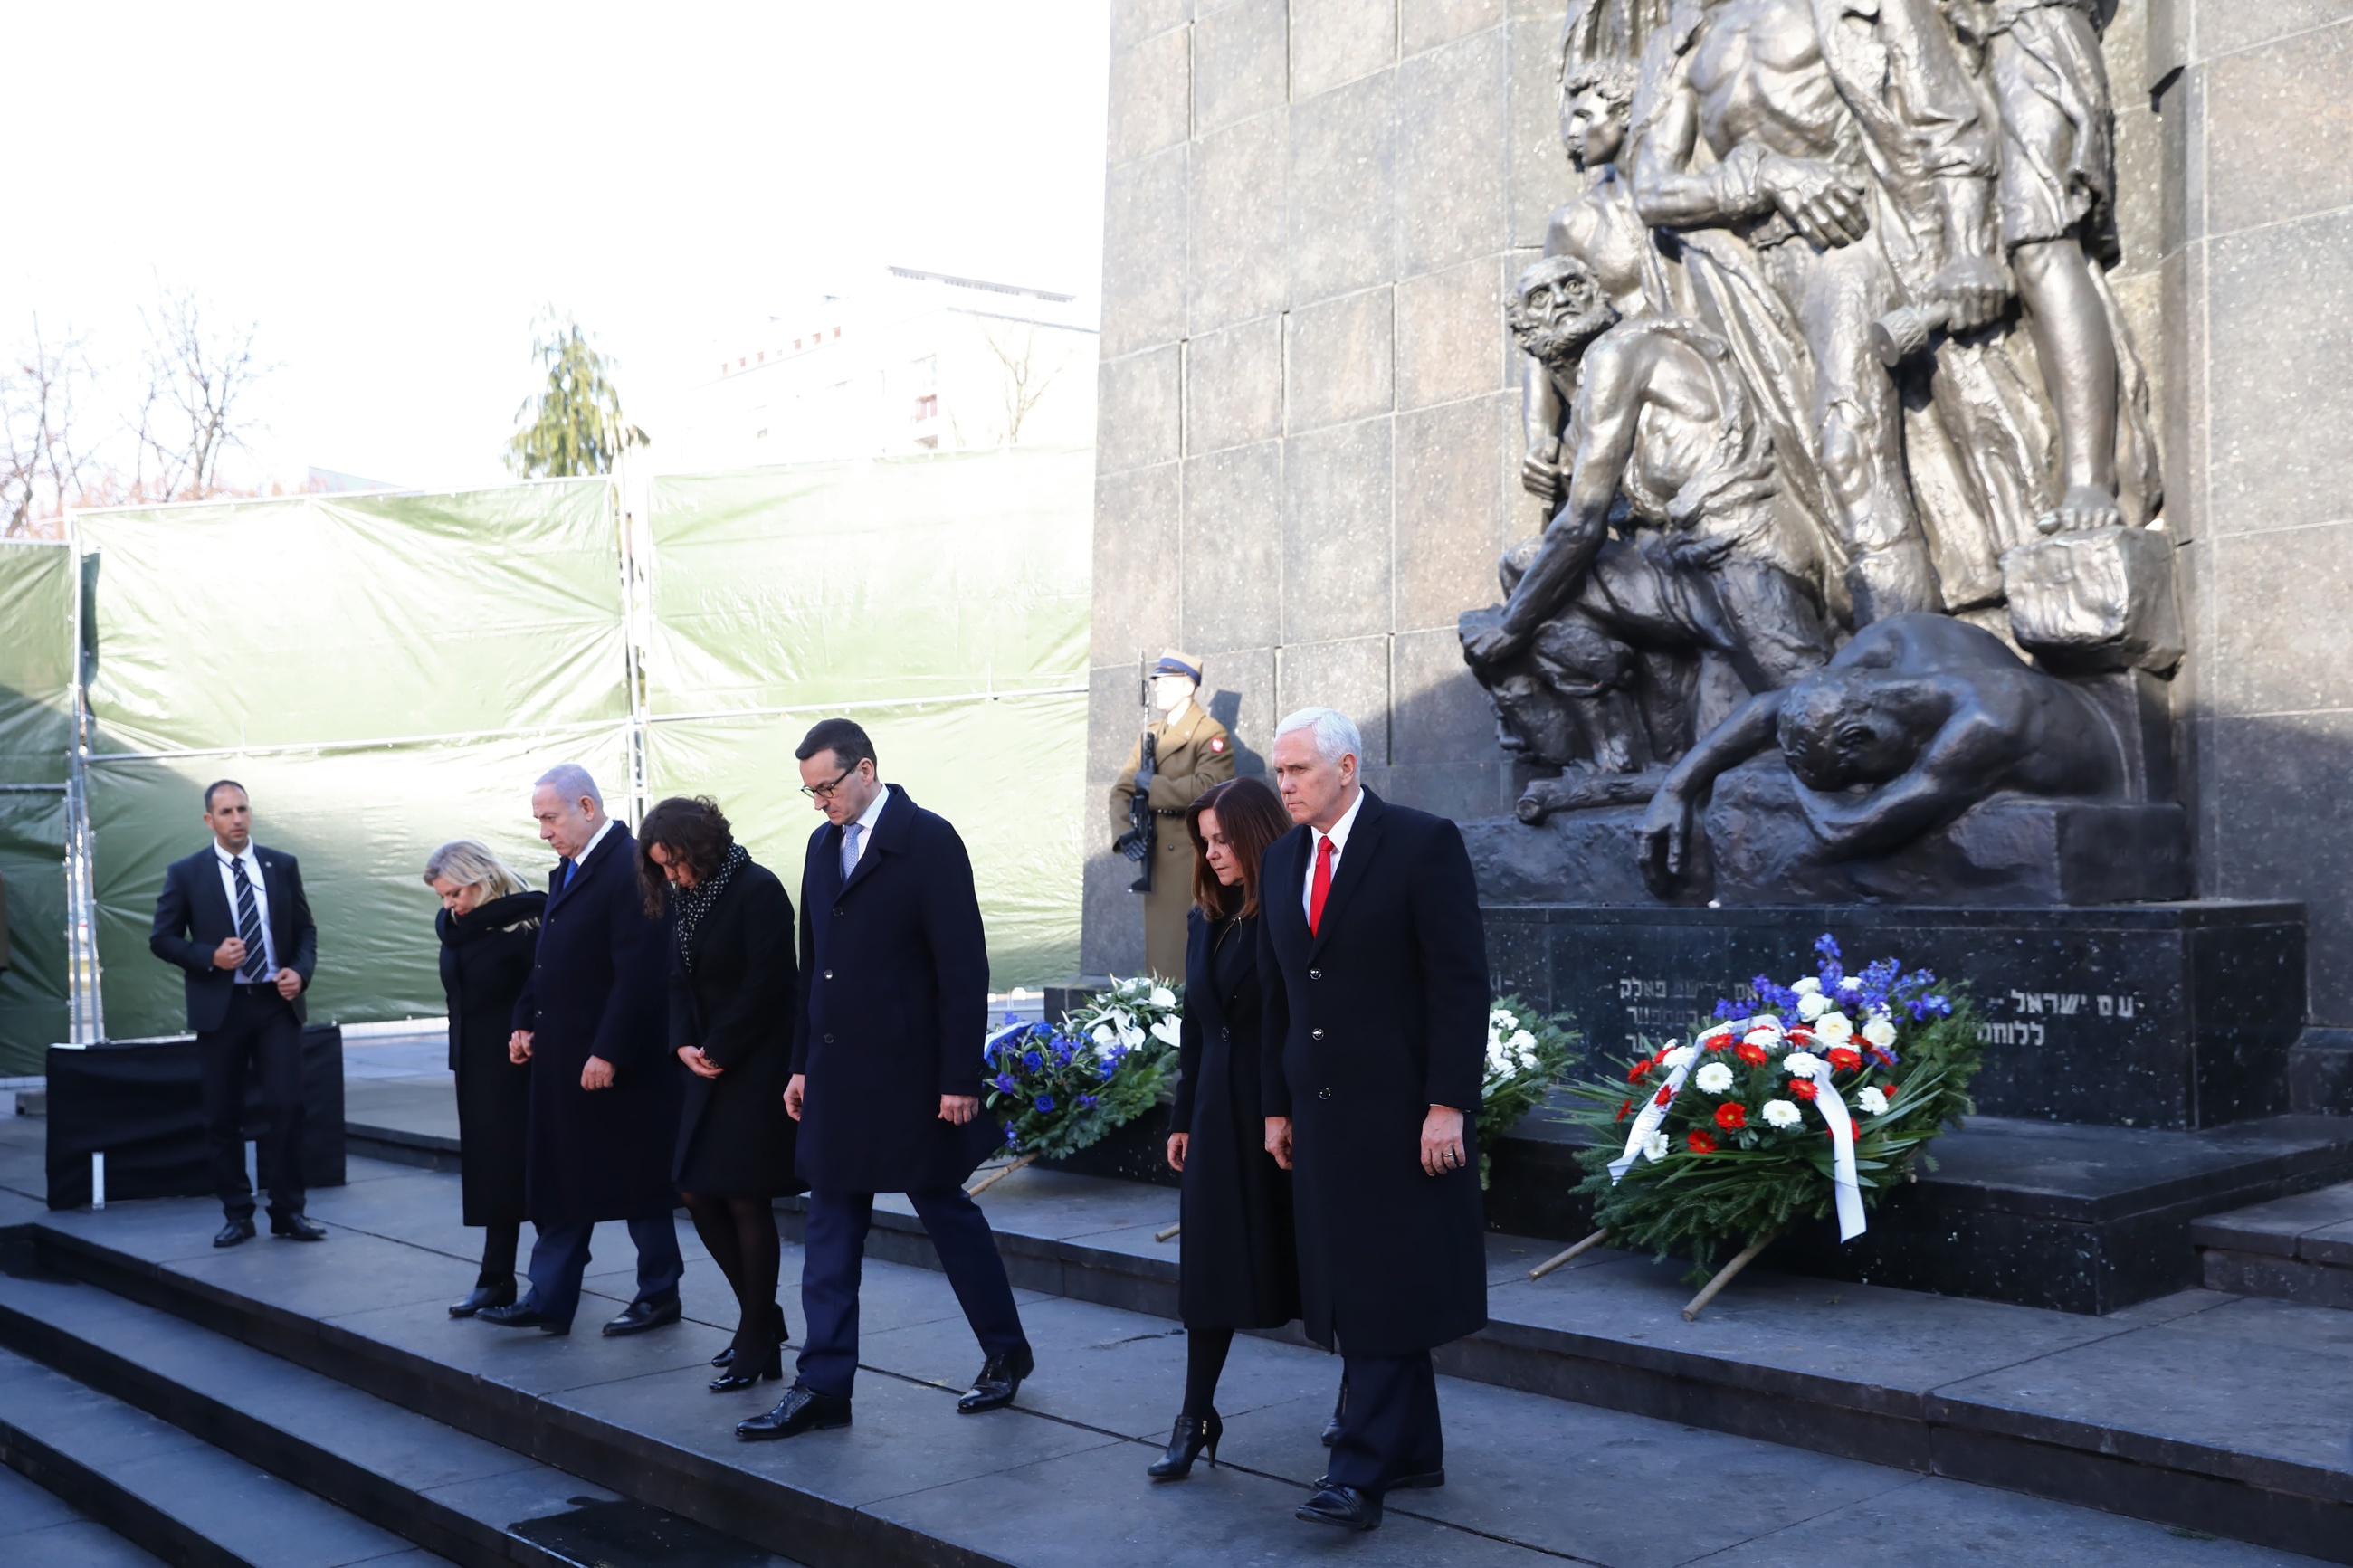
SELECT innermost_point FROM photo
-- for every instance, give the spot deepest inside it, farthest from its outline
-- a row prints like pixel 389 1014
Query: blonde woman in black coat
pixel 733 982
pixel 489 927
pixel 1238 1270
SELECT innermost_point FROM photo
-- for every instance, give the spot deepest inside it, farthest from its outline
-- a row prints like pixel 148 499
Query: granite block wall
pixel 1309 420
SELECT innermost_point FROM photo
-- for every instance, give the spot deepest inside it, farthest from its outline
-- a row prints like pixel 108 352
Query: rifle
pixel 1136 842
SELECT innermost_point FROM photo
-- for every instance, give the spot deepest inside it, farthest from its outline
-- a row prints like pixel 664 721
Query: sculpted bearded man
pixel 1841 142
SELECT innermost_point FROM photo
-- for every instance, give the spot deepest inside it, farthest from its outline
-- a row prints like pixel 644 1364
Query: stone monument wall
pixel 1309 418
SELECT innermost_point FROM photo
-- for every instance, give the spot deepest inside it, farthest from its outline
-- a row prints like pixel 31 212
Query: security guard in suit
pixel 1190 752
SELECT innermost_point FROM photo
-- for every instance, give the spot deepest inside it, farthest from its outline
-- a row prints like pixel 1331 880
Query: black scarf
pixel 693 903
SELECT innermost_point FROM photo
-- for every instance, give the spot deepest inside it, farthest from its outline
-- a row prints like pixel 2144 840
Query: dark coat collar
pixel 890 831
pixel 586 867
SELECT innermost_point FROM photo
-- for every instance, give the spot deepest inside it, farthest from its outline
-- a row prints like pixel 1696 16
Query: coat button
pixel 1225 1033
pixel 1315 974
pixel 1314 1034
pixel 837 909
pixel 828 975
pixel 1323 1094
pixel 828 1039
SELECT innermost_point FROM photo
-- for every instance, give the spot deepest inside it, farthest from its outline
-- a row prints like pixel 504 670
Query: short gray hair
pixel 574 780
pixel 1335 732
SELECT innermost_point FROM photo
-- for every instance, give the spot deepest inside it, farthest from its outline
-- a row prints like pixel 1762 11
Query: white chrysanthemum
pixel 1872 1101
pixel 1800 1063
pixel 1851 983
pixel 1681 1056
pixel 1834 1029
pixel 1520 1040
pixel 1812 1005
pixel 1879 1031
pixel 1654 1147
pixel 1528 1062
pixel 1768 1038
pixel 1163 997
pixel 1807 986
pixel 1713 1079
pixel 1503 1018
pixel 1167 1031
pixel 1781 1113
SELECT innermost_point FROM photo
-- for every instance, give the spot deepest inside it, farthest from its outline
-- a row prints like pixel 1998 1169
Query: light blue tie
pixel 850 848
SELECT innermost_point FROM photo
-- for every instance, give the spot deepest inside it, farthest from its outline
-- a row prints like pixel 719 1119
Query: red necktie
pixel 1323 887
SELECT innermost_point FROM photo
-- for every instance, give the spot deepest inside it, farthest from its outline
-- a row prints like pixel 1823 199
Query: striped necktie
pixel 256 968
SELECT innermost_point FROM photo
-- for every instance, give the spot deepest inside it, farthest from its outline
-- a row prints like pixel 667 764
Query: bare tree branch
pixel 42 460
pixel 193 413
pixel 1024 383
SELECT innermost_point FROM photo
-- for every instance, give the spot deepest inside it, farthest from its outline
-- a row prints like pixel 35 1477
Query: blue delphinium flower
pixel 1086 1102
pixel 1045 1103
pixel 1005 1082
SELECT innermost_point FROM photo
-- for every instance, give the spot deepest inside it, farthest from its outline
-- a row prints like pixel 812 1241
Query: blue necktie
pixel 850 848
pixel 256 968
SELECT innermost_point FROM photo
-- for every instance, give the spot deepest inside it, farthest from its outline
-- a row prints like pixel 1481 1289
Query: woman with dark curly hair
pixel 1237 1269
pixel 733 980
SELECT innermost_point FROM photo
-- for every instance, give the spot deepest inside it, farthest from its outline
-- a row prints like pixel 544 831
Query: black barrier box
pixel 141 1106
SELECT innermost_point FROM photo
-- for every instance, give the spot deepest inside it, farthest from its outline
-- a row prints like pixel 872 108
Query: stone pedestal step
pixel 2296 1249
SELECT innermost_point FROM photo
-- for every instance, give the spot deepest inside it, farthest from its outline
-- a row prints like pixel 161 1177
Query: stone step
pixel 186 1500
pixel 336 1463
pixel 40 1528
pixel 2296 1249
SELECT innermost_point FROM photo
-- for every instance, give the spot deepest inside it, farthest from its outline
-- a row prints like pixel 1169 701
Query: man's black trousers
pixel 261 1037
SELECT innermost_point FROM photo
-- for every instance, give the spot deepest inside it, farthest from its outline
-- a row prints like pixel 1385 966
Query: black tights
pixel 499 1244
pixel 1205 1358
pixel 741 1235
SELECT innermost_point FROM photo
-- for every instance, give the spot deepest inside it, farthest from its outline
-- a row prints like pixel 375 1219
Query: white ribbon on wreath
pixel 1655 1110
pixel 1846 1187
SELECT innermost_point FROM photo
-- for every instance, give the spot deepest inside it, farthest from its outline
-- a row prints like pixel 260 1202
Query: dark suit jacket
pixel 600 987
pixel 894 987
pixel 737 1004
pixel 1379 1017
pixel 192 917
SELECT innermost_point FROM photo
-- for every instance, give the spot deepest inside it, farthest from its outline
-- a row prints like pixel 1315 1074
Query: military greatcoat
pixel 1193 752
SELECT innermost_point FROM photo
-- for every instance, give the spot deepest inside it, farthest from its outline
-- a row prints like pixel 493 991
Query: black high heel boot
pixel 744 1373
pixel 726 1358
pixel 1185 1441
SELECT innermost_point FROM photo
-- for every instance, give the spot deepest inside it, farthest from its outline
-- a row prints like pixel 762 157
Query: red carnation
pixel 1753 1055
pixel 1845 1059
pixel 1803 1088
pixel 1638 1072
pixel 1622 1110
pixel 1731 1116
pixel 1663 1096
pixel 1701 1143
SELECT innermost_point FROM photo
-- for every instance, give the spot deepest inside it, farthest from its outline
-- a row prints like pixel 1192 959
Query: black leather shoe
pixel 999 1380
pixel 640 1316
pixel 296 1228
pixel 235 1231
pixel 1190 1436
pixel 1344 1505
pixel 802 1409
pixel 1339 1409
pixel 483 1295
pixel 744 1372
pixel 524 1314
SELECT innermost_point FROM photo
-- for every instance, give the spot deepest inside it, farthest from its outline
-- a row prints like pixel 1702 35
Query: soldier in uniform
pixel 1190 752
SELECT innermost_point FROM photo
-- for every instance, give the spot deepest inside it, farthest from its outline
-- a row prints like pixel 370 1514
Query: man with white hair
pixel 593 1023
pixel 1375 966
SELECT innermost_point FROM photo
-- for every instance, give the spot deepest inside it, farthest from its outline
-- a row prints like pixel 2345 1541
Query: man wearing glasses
pixel 886 1073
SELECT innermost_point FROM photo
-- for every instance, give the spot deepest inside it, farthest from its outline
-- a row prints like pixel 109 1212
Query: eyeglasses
pixel 825 790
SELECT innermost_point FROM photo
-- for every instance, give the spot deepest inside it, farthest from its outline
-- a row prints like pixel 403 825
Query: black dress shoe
pixel 1186 1442
pixel 745 1371
pixel 483 1295
pixel 296 1228
pixel 1339 1409
pixel 1344 1505
pixel 235 1231
pixel 802 1409
pixel 524 1314
pixel 999 1380
pixel 640 1316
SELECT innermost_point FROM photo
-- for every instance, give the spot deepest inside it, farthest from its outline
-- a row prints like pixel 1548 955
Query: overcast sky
pixel 393 192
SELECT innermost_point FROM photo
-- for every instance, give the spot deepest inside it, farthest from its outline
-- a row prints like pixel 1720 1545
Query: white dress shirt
pixel 587 850
pixel 1338 838
pixel 260 897
pixel 853 852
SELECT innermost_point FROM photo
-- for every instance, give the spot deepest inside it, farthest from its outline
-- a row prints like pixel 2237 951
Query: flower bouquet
pixel 1057 1090
pixel 1818 1099
pixel 1527 1055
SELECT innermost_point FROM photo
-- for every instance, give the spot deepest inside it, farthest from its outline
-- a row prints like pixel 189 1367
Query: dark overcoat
pixel 486 957
pixel 1240 1270
pixel 1381 1015
pixel 736 1003
pixel 598 988
pixel 894 977
pixel 192 917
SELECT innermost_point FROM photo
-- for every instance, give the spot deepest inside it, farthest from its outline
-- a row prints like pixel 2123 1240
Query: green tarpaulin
pixel 37 596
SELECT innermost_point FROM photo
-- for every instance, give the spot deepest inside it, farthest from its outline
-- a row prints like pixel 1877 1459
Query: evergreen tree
pixel 575 423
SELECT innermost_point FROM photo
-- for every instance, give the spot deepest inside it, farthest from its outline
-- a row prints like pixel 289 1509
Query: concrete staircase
pixel 2297 1248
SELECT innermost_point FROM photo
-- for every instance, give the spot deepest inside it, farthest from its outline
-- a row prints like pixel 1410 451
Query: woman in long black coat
pixel 734 981
pixel 489 927
pixel 1239 1269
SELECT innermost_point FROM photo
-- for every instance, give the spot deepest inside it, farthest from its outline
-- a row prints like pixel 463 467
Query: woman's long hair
pixel 1250 815
pixel 692 830
pixel 471 864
